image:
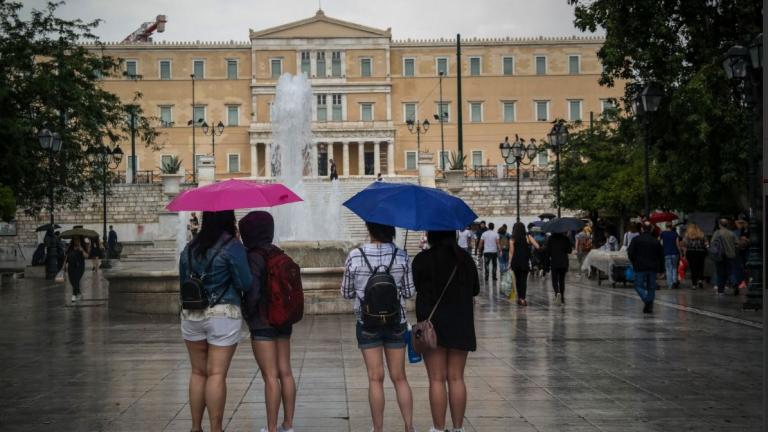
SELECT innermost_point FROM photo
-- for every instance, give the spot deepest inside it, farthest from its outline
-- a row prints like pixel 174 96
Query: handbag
pixel 59 277
pixel 424 336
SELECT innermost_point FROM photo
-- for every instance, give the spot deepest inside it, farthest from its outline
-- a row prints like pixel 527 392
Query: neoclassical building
pixel 365 86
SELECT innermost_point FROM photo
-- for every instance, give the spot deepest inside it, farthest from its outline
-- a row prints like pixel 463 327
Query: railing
pixel 142 177
pixel 493 172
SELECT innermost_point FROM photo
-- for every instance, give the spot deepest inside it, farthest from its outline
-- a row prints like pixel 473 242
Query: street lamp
pixel 558 137
pixel 106 158
pixel 646 102
pixel 213 132
pixel 441 116
pixel 192 123
pixel 418 129
pixel 50 142
pixel 518 153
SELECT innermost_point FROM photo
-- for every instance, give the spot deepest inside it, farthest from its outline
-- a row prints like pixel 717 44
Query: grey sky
pixel 231 19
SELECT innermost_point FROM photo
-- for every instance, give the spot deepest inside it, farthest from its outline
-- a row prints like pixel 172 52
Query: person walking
pixel 381 342
pixel 520 259
pixel 489 244
pixel 74 265
pixel 724 240
pixel 479 233
pixel 271 346
pixel 111 242
pixel 96 253
pixel 465 239
pixel 558 249
pixel 630 235
pixel 694 248
pixel 503 249
pixel 583 244
pixel 334 175
pixel 453 320
pixel 647 257
pixel 671 243
pixel 211 335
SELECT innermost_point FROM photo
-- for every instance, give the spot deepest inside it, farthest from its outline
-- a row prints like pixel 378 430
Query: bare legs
pixel 374 363
pixel 274 359
pixel 207 384
pixel 446 365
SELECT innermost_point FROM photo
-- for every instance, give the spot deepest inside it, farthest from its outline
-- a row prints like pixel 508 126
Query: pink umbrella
pixel 233 194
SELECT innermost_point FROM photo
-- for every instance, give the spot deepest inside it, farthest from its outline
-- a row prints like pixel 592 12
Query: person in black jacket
pixel 558 249
pixel 647 257
pixel 453 321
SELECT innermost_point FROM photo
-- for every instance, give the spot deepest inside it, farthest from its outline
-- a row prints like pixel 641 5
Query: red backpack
pixel 283 297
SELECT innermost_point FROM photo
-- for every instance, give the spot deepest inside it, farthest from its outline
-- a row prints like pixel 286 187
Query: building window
pixel 320 64
pixel 541 65
pixel 231 69
pixel 476 112
pixel 409 112
pixel 276 66
pixel 131 69
pixel 306 66
pixel 409 67
pixel 443 112
pixel 166 116
pixel 165 69
pixel 366 68
pixel 366 111
pixel 441 66
pixel 445 162
pixel 574 66
pixel 233 115
pixel 543 158
pixel 410 160
pixel 474 66
pixel 129 165
pixel 509 112
pixel 199 114
pixel 542 111
pixel 165 159
pixel 508 65
pixel 198 68
pixel 477 158
pixel 336 114
pixel 322 108
pixel 336 64
pixel 233 162
pixel 608 108
pixel 574 110
pixel 270 105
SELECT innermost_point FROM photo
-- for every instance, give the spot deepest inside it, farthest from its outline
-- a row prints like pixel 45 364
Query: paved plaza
pixel 596 365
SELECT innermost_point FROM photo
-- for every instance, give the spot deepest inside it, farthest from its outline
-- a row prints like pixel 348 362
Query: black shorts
pixel 272 333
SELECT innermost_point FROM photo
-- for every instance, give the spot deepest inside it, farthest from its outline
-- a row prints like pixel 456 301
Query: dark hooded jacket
pixel 257 230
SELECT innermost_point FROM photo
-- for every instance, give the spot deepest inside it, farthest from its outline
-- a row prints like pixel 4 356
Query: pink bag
pixel 424 336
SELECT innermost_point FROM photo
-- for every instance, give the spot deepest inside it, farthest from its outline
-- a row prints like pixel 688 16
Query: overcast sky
pixel 213 20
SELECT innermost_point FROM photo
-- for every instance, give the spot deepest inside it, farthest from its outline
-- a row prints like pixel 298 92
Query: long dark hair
pixel 214 225
pixel 518 232
pixel 444 243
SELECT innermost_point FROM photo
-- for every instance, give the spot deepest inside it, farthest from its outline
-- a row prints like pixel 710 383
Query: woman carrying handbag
pixel 446 281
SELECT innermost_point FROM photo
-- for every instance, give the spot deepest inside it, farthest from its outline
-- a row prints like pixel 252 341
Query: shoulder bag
pixel 424 336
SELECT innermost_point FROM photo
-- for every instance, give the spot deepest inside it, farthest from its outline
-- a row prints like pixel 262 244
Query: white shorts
pixel 219 331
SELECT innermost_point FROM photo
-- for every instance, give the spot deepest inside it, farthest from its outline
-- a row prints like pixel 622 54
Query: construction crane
pixel 144 32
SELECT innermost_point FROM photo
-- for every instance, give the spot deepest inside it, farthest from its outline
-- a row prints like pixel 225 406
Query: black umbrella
pixel 562 225
pixel 547 216
pixel 79 232
pixel 46 226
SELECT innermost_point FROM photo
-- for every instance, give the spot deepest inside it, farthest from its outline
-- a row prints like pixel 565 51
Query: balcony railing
pixel 493 172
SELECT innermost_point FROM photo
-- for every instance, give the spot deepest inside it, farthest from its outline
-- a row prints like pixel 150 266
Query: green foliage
pixel 49 71
pixel 700 135
pixel 455 162
pixel 7 204
pixel 172 165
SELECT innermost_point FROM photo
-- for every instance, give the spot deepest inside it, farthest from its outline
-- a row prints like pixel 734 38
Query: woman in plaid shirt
pixel 376 344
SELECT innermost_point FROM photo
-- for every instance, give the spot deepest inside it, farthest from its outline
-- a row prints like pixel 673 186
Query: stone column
pixel 254 160
pixel 361 158
pixel 345 158
pixel 376 158
pixel 390 158
pixel 313 158
pixel 268 160
pixel 329 150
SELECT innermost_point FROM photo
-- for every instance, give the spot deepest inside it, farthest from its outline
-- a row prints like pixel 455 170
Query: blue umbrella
pixel 562 225
pixel 410 206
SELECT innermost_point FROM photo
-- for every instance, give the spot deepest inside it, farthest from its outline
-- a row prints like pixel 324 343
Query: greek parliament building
pixel 365 86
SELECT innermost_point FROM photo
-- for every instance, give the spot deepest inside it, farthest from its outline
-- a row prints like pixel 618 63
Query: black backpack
pixel 193 294
pixel 380 307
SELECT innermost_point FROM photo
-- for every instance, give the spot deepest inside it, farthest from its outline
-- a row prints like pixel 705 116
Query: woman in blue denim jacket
pixel 212 334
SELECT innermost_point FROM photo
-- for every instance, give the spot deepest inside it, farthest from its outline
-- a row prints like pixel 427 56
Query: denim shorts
pixel 388 337
pixel 272 333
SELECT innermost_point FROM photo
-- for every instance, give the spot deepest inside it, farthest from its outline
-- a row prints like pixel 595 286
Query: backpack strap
pixel 365 258
pixel 392 262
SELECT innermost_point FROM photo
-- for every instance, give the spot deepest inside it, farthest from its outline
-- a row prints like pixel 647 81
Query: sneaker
pixel 74 298
pixel 280 428
pixel 433 429
pixel 556 300
pixel 647 308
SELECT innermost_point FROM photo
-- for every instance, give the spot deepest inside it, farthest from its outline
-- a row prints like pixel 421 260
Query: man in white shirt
pixel 489 243
pixel 465 240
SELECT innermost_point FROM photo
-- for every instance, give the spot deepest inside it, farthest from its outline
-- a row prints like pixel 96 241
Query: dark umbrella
pixel 657 217
pixel 46 227
pixel 537 224
pixel 79 232
pixel 562 225
pixel 547 216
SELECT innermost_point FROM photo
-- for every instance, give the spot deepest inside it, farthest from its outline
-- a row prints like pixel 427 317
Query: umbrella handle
pixel 405 242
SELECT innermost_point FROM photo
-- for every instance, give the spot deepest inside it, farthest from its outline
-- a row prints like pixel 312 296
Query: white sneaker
pixel 281 429
pixel 432 429
pixel 74 298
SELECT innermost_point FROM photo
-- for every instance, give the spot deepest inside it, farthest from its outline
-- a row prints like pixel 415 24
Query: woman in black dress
pixel 520 262
pixel 453 321
pixel 558 248
pixel 74 266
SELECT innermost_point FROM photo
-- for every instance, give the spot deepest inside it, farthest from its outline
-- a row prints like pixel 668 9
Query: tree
pixel 49 79
pixel 699 135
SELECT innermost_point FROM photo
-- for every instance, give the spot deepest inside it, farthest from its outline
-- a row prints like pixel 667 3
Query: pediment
pixel 320 26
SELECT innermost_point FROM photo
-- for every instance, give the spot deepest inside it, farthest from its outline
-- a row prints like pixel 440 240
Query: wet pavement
pixel 597 364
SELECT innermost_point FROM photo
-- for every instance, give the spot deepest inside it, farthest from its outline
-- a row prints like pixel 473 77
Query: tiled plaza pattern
pixel 596 365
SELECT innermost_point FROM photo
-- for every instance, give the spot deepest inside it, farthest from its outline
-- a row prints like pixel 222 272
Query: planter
pixel 454 180
pixel 172 183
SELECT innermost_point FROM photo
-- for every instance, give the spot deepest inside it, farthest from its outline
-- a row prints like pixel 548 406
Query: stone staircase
pixel 152 254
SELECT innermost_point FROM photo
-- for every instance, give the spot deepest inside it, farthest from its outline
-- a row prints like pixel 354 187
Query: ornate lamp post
pixel 50 142
pixel 418 129
pixel 106 159
pixel 645 103
pixel 213 132
pixel 558 137
pixel 518 153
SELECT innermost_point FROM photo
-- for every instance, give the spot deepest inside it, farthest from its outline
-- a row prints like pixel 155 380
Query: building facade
pixel 366 86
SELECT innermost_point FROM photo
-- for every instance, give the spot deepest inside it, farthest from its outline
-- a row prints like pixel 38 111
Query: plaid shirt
pixel 356 273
